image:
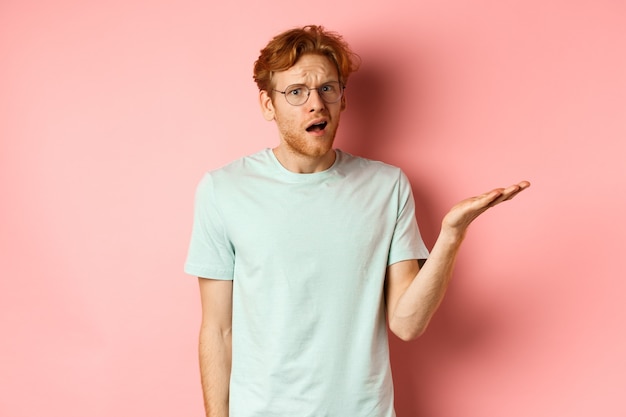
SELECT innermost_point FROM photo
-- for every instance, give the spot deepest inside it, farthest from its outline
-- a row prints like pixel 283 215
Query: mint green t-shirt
pixel 307 254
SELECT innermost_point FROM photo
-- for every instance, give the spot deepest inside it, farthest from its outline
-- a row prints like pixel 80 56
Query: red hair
pixel 284 50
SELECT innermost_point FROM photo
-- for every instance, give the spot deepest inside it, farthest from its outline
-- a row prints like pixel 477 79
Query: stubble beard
pixel 310 147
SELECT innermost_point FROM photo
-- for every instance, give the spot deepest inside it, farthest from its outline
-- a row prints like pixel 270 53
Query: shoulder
pixel 377 171
pixel 232 175
pixel 242 167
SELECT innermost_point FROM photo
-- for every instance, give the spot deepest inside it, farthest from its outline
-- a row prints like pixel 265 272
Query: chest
pixel 305 219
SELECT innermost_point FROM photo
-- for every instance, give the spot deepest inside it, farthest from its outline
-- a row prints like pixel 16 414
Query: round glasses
pixel 298 94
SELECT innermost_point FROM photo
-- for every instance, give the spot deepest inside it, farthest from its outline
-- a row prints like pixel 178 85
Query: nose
pixel 315 101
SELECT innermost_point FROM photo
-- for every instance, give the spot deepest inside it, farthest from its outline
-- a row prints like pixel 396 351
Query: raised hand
pixel 463 213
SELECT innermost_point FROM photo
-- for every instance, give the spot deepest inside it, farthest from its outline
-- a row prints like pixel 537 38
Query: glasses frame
pixel 308 92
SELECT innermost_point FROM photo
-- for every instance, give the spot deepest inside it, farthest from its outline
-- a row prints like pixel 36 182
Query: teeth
pixel 320 126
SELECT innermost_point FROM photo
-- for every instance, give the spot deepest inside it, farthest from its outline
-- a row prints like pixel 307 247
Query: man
pixel 303 252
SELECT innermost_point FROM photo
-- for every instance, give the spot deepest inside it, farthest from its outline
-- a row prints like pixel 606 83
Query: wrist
pixel 452 235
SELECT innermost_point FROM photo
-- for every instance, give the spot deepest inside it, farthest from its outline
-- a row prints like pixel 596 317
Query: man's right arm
pixel 215 347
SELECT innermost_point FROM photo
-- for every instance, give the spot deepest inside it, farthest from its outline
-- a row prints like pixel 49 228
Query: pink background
pixel 111 111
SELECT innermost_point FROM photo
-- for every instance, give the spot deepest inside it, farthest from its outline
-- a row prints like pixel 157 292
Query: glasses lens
pixel 297 95
pixel 331 92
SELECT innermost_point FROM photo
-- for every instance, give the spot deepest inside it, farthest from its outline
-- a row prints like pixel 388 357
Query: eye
pixel 294 91
pixel 328 88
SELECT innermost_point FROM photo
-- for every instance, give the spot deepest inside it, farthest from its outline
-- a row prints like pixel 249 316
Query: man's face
pixel 307 130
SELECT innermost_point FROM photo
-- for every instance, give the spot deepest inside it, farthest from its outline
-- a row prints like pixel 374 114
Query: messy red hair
pixel 284 50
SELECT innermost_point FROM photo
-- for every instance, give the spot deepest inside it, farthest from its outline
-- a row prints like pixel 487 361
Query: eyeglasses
pixel 298 94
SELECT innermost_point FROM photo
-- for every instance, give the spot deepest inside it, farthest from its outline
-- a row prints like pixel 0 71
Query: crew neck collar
pixel 303 177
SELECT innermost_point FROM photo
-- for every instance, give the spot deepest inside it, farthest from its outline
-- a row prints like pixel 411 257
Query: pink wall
pixel 111 111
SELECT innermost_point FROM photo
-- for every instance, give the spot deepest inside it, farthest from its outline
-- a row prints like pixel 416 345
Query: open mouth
pixel 317 127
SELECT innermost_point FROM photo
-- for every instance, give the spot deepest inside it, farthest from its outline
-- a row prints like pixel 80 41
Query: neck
pixel 304 164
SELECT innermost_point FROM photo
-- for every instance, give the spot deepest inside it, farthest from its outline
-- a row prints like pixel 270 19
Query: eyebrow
pixel 325 82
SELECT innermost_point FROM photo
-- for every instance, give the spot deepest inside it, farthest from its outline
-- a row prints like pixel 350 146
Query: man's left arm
pixel 413 294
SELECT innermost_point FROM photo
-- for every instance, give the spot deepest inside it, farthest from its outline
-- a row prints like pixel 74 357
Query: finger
pixel 489 197
pixel 510 192
pixel 499 195
pixel 516 189
pixel 499 200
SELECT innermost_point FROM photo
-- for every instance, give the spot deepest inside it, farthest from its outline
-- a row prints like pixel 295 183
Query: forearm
pixel 215 354
pixel 420 300
pixel 411 306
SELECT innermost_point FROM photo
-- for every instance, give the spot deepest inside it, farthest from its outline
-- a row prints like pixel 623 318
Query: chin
pixel 321 149
pixel 315 147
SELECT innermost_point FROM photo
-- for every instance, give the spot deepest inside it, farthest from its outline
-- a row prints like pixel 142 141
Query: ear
pixel 267 106
pixel 344 101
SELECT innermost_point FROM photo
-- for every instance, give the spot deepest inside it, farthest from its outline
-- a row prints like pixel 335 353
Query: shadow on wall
pixel 385 119
pixel 386 115
pixel 460 332
pixel 372 120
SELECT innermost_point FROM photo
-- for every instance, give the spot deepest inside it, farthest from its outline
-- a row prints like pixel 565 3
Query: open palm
pixel 464 212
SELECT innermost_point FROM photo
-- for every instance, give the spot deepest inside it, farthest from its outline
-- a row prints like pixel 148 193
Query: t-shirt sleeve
pixel 211 254
pixel 406 242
